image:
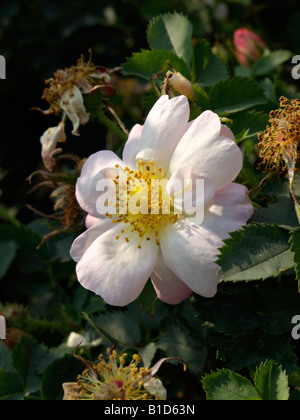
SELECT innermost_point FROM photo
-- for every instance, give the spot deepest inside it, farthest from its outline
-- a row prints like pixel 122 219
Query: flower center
pixel 142 202
pixel 115 379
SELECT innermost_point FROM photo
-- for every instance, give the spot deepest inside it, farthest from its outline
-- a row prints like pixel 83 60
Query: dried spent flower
pixel 85 75
pixel 65 90
pixel 278 147
pixel 66 202
pixel 68 216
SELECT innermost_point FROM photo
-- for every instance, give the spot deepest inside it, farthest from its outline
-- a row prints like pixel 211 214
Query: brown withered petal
pixel 72 103
pixel 71 391
pixel 49 141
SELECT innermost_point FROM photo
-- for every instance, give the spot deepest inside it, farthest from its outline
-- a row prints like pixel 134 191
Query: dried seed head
pixel 278 146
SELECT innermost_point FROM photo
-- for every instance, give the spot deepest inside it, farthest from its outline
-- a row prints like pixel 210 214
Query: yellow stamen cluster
pixel 146 183
pixel 278 147
pixel 114 380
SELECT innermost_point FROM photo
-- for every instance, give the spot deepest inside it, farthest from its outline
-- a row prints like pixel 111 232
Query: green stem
pixel 98 329
pixel 111 125
pixel 121 125
pixel 155 88
pixel 291 172
pixel 296 204
pixel 261 184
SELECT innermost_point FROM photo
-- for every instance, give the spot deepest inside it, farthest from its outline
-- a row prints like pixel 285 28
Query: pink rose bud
pixel 248 46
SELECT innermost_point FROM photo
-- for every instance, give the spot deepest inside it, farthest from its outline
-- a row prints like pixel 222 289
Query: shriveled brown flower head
pixel 85 75
pixel 278 147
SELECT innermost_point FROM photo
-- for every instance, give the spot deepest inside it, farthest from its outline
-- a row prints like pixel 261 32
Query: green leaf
pixel 242 71
pixel 22 357
pixel 226 385
pixel 176 341
pixel 257 252
pixel 147 63
pixel 147 354
pixel 270 62
pixel 121 327
pixel 271 382
pixel 147 299
pixel 249 308
pixel 254 347
pixel 8 251
pixel 239 318
pixel 208 69
pixel 23 236
pixel 5 358
pixel 282 212
pixel 201 99
pixel 172 32
pixel 278 309
pixel 214 72
pixel 202 54
pixel 235 95
pixel 251 122
pixel 10 386
pixel 61 370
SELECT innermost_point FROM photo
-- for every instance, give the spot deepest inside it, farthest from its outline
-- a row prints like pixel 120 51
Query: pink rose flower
pixel 248 46
pixel 116 255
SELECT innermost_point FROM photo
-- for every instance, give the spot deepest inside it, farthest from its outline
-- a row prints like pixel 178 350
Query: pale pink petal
pixel 169 288
pixel 208 152
pixel 92 172
pixel 226 132
pixel 117 270
pixel 132 146
pixel 82 242
pixel 190 191
pixel 190 251
pixel 91 220
pixel 163 128
pixel 230 211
